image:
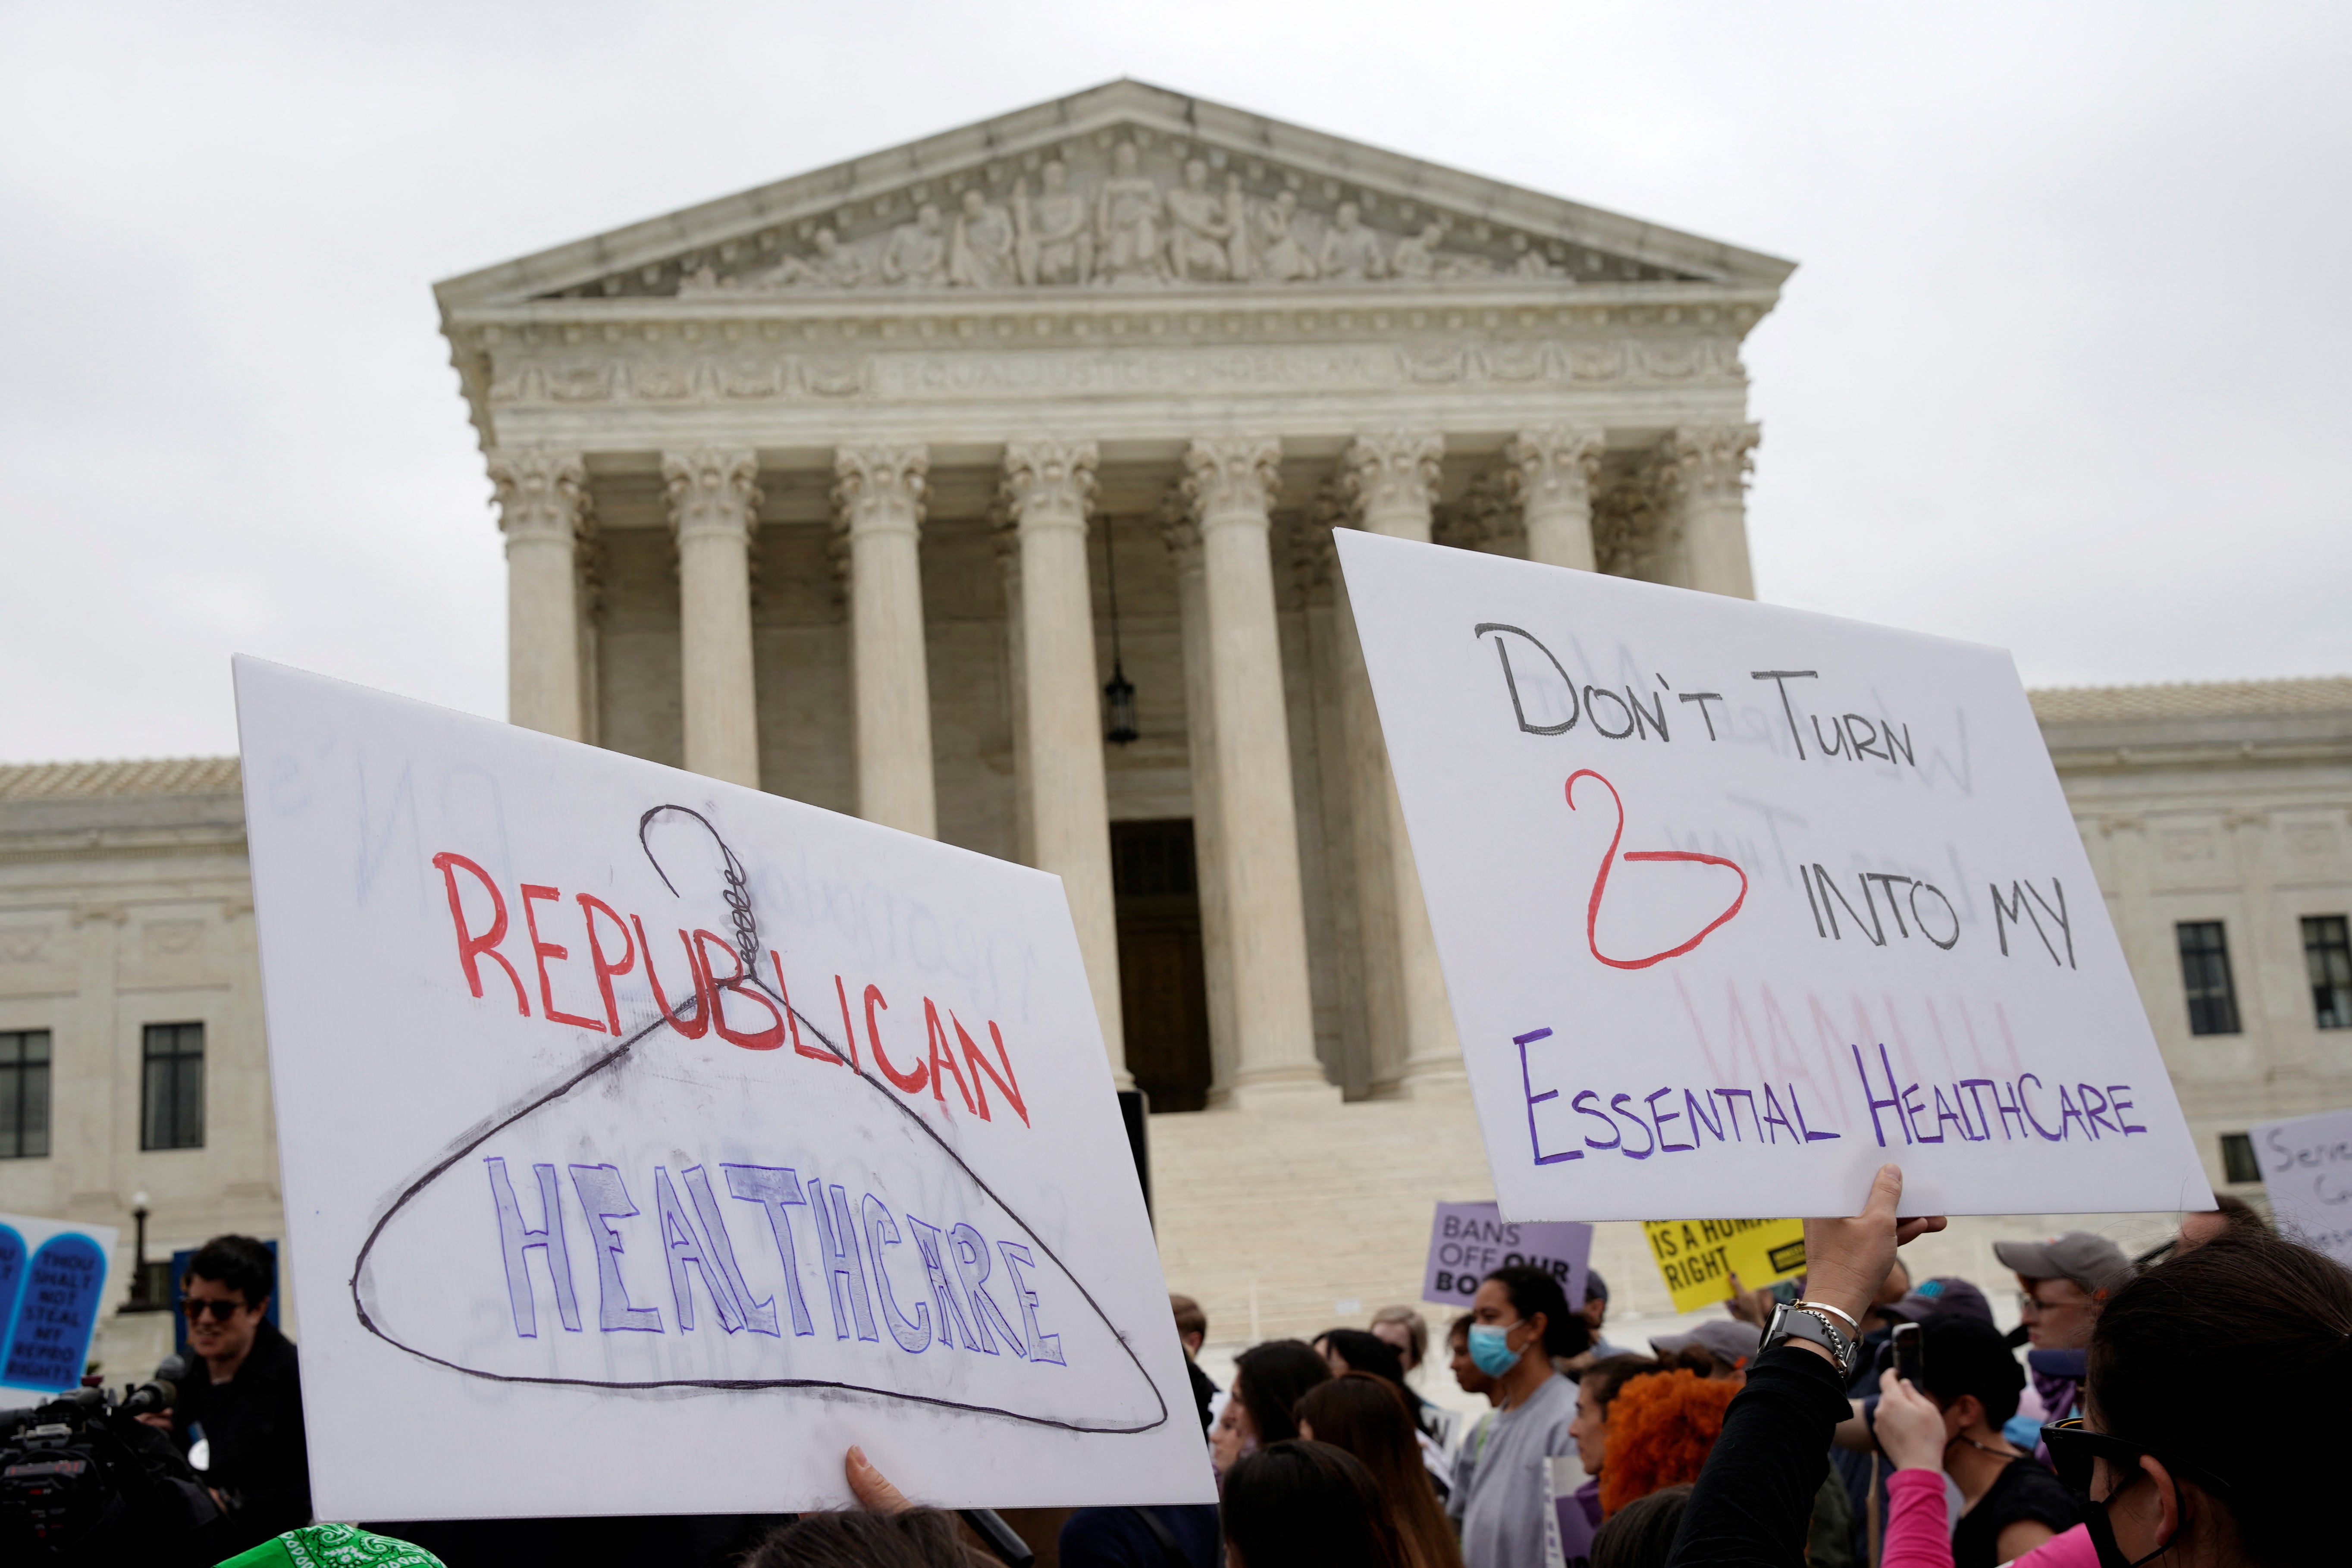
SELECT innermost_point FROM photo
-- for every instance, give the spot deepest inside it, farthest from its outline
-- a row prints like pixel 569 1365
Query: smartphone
pixel 1910 1356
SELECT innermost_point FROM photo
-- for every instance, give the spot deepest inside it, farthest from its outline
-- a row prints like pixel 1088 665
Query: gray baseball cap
pixel 1725 1340
pixel 2091 1261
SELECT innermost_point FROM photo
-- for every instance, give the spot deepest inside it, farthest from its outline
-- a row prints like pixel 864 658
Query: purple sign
pixel 1469 1241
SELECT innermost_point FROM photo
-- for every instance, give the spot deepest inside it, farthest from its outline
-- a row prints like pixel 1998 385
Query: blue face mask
pixel 1490 1349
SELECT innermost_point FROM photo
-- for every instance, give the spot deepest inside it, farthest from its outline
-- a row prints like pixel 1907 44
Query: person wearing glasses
pixel 2062 1285
pixel 244 1397
pixel 2214 1438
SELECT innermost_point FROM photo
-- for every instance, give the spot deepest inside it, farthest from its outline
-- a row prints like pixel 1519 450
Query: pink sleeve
pixel 2071 1549
pixel 1917 1533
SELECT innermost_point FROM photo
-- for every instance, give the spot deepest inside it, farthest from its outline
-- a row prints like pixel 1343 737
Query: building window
pixel 2238 1163
pixel 24 1094
pixel 2205 973
pixel 2327 954
pixel 173 1091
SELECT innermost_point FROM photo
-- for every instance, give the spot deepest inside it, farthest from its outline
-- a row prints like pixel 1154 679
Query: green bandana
pixel 334 1546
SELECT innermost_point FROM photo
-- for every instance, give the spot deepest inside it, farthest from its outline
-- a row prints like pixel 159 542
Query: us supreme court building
pixel 985 487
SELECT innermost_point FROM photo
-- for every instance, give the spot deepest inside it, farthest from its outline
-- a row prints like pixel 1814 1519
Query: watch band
pixel 1847 1318
pixel 1797 1322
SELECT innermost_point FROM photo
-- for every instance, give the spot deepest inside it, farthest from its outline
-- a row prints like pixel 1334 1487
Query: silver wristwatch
pixel 1795 1321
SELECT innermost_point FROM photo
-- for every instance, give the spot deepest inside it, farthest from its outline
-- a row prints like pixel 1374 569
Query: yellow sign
pixel 1698 1256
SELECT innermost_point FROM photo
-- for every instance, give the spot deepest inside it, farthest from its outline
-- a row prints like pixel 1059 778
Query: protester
pixel 2009 1503
pixel 1268 1381
pixel 1408 1331
pixel 1192 1332
pixel 1357 1349
pixel 1643 1533
pixel 246 1397
pixel 1520 1321
pixel 1661 1429
pixel 1161 1535
pixel 1595 1311
pixel 1472 1381
pixel 1590 1429
pixel 1367 1418
pixel 2062 1284
pixel 2217 1386
pixel 1717 1347
pixel 1305 1505
pixel 1947 1293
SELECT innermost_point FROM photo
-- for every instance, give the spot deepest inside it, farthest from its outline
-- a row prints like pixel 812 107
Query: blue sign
pixel 12 1274
pixel 50 1340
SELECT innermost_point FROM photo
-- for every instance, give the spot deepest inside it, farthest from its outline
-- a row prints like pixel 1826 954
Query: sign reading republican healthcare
pixel 1469 1241
pixel 52 1291
pixel 2308 1171
pixel 1735 903
pixel 648 1141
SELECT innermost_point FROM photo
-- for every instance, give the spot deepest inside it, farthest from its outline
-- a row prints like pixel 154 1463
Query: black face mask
pixel 2103 1530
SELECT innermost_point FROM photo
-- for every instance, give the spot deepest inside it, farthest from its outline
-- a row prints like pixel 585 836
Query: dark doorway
pixel 1164 989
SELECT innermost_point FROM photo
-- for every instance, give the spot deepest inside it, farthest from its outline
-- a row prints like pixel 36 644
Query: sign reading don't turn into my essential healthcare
pixel 648 1140
pixel 1736 903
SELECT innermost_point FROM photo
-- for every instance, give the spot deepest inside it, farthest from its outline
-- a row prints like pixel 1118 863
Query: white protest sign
pixel 648 1141
pixel 52 1292
pixel 1735 903
pixel 2308 1171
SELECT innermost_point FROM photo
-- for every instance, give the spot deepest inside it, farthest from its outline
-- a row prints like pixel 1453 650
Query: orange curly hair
pixel 1661 1428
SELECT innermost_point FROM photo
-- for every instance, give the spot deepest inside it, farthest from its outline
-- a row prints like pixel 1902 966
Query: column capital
pixel 542 493
pixel 1049 483
pixel 1707 462
pixel 883 487
pixel 713 490
pixel 1177 528
pixel 1553 466
pixel 1314 558
pixel 1391 474
pixel 1231 478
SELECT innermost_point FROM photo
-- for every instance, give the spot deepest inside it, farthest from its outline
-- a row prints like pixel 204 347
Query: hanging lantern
pixel 1119 693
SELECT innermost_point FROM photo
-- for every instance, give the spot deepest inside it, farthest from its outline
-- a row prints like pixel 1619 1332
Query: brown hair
pixel 1365 1415
pixel 1606 1378
pixel 1641 1534
pixel 1306 1505
pixel 1189 1318
pixel 2236 1362
pixel 852 1538
pixel 1268 1380
pixel 1661 1431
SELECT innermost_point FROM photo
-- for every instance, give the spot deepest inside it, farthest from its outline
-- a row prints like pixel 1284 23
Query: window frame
pixel 17 1070
pixel 2210 1006
pixel 180 1066
pixel 2239 1166
pixel 2328 965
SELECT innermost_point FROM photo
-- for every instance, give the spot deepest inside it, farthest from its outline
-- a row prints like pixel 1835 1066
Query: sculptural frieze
pixel 1180 216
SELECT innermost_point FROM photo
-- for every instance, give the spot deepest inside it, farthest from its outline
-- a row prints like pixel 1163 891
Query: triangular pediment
pixel 1127 187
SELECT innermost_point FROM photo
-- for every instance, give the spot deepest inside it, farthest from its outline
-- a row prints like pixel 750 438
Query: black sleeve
pixel 277 1496
pixel 2034 1493
pixel 1755 1498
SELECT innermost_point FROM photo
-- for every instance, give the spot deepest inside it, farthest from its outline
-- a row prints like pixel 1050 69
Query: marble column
pixel 879 492
pixel 1048 490
pixel 1549 473
pixel 1183 539
pixel 1230 483
pixel 543 510
pixel 714 500
pixel 1702 472
pixel 1389 482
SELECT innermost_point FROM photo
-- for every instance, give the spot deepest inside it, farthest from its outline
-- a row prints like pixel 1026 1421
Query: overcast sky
pixel 2064 367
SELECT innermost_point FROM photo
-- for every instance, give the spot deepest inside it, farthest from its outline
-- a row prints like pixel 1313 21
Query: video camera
pixel 84 1480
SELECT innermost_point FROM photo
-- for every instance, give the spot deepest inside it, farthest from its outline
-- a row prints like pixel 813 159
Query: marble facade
pixel 828 476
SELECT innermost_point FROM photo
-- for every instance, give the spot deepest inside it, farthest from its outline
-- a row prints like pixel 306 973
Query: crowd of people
pixel 2186 1409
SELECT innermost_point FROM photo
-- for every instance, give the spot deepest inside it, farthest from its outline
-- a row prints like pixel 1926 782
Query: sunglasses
pixel 2074 1449
pixel 192 1309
